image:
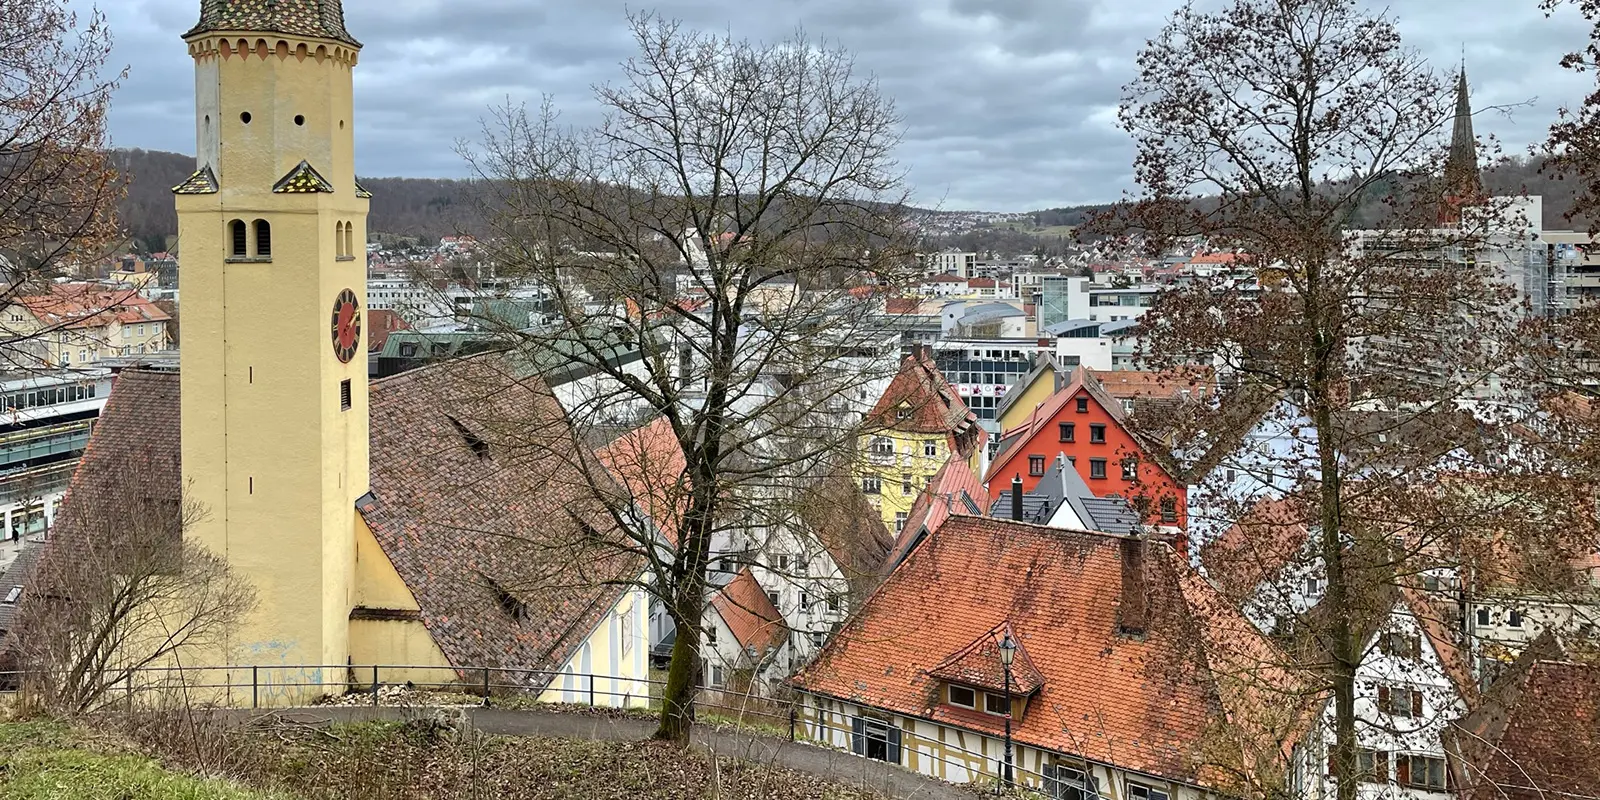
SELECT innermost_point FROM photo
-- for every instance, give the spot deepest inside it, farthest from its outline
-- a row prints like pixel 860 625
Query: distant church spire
pixel 1462 182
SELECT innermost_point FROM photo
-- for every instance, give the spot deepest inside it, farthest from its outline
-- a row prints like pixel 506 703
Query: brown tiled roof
pixel 1143 702
pixel 1536 736
pixel 920 400
pixel 323 19
pixel 852 531
pixel 131 461
pixel 478 499
pixel 380 323
pixel 750 615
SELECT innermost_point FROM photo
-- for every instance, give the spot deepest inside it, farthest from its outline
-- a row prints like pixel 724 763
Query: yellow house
pixel 919 424
pixel 1030 392
pixel 77 324
pixel 391 534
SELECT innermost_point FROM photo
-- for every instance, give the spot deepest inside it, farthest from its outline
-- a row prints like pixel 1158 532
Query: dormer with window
pixel 972 680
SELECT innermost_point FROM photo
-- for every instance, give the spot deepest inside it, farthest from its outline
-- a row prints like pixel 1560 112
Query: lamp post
pixel 1008 651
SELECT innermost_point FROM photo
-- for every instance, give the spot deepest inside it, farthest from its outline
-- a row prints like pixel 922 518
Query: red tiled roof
pixel 1257 548
pixel 981 283
pixel 750 615
pixel 947 493
pixel 920 400
pixel 88 305
pixel 380 323
pixel 1082 379
pixel 1174 384
pixel 978 664
pixel 901 305
pixel 1430 616
pixel 650 463
pixel 480 501
pixel 1143 702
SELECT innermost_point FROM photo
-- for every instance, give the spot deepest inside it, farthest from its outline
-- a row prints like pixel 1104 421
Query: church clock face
pixel 346 326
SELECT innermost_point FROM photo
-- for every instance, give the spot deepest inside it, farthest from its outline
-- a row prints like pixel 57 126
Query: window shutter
pixel 1383 699
pixel 1380 766
pixel 858 736
pixel 1333 764
pixel 1416 703
pixel 1402 770
pixel 894 745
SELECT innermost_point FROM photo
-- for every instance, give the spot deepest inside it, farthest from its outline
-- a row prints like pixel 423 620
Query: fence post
pixel 485 687
pixel 374 684
pixel 791 722
pixel 591 691
pixel 255 686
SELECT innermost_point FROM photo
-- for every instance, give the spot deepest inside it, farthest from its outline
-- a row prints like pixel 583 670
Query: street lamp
pixel 1008 651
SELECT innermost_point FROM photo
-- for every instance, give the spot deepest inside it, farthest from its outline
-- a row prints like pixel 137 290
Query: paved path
pixel 821 762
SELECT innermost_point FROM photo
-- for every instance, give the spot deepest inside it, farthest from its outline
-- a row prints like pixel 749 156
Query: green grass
pixel 46 761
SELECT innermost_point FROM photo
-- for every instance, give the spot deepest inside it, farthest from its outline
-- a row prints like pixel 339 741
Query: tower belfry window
pixel 236 232
pixel 338 239
pixel 263 238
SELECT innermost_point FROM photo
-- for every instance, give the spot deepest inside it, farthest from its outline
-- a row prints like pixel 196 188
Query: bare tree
pixel 1382 360
pixel 121 591
pixel 705 257
pixel 57 185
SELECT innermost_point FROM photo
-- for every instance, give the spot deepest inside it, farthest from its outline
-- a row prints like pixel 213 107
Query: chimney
pixel 1016 497
pixel 1135 593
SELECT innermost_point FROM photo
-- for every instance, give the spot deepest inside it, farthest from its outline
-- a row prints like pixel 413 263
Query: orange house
pixel 1088 425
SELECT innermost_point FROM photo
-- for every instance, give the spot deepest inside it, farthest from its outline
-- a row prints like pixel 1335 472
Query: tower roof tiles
pixel 321 19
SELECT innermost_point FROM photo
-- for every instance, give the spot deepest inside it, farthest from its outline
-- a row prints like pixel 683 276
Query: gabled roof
pixel 920 400
pixel 1047 365
pixel 303 179
pixel 750 615
pixel 1431 616
pixel 978 664
pixel 1081 381
pixel 1536 735
pixel 14 579
pixel 1144 703
pixel 203 181
pixel 479 501
pixel 1062 485
pixel 840 517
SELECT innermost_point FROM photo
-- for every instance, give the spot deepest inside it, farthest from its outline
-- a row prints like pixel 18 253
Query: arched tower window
pixel 350 239
pixel 263 239
pixel 240 241
pixel 338 239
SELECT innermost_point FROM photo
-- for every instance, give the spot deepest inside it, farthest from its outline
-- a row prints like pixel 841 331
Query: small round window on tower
pixel 299 119
pixel 245 118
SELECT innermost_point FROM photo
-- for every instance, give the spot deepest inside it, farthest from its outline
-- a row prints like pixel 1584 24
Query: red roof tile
pixel 650 463
pixel 978 664
pixel 1257 548
pixel 920 400
pixel 89 305
pixel 750 615
pixel 1142 702
pixel 954 489
pixel 1537 737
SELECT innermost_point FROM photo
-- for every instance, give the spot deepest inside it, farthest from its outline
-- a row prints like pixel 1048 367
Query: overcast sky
pixel 1009 104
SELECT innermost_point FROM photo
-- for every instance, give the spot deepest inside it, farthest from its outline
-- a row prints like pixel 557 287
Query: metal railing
pixel 291 685
pixel 284 685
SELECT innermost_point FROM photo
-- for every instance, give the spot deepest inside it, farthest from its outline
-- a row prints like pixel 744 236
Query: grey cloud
pixel 1007 103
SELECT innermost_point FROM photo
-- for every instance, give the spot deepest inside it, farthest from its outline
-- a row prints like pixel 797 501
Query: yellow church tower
pixel 272 233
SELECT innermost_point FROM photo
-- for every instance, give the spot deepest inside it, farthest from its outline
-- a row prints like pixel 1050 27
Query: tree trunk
pixel 1344 653
pixel 677 698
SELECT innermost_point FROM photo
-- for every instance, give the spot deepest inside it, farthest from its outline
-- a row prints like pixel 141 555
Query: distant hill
pixel 428 208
